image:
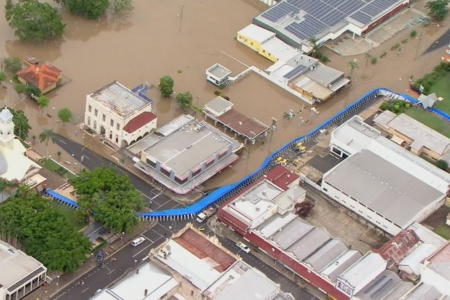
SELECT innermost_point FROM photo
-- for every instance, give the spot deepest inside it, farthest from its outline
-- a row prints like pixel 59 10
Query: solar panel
pixel 294 72
pixel 30 276
pixel 333 18
pixel 382 288
pixel 350 6
pixel 361 17
pixel 279 11
pixel 333 3
pixel 310 27
pixel 377 7
pixel 376 282
pixel 320 11
pixel 297 3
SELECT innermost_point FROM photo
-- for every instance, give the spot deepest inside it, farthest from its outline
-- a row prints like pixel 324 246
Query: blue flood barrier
pixel 61 198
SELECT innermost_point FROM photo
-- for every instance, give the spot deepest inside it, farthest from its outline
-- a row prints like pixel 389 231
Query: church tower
pixel 6 128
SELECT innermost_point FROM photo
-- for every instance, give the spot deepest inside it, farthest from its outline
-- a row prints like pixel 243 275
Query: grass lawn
pixel 51 165
pixel 443 230
pixel 430 120
pixel 442 89
pixel 68 214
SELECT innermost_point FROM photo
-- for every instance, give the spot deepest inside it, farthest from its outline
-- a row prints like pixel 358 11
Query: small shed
pixel 427 101
pixel 217 74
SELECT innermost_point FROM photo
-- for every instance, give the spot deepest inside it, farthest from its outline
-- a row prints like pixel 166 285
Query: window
pixel 118 126
pixel 112 123
pixel 117 139
pixel 326 190
pixel 192 293
pixel 89 121
pixel 251 43
pixel 96 112
pixel 104 118
pixel 95 125
pixel 89 108
pixel 110 135
pixel 264 51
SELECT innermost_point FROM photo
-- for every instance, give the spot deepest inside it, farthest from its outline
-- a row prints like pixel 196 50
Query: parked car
pixel 243 247
pixel 137 241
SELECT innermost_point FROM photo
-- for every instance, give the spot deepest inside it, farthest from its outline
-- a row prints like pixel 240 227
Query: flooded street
pixel 182 39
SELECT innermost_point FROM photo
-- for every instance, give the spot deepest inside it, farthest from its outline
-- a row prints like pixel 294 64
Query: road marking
pixel 144 195
pixel 95 231
pixel 85 156
pixel 84 290
pixel 111 271
pixel 63 142
pixel 147 238
pixel 143 249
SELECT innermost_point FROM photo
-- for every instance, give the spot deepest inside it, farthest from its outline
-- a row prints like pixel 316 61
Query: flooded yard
pixel 182 39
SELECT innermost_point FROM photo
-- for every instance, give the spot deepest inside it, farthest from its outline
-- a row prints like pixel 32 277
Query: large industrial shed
pixel 296 21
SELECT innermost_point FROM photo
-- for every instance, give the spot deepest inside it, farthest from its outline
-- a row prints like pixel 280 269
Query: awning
pixel 397 140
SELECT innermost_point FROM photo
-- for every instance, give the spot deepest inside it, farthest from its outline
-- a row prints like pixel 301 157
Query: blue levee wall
pixel 226 192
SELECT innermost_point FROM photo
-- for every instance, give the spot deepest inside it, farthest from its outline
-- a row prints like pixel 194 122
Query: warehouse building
pixel 386 185
pixel 296 21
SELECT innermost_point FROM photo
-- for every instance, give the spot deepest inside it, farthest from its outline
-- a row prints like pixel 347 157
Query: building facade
pixel 20 274
pixel 120 115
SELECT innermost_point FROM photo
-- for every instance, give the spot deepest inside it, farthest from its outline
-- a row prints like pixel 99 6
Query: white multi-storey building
pixel 119 114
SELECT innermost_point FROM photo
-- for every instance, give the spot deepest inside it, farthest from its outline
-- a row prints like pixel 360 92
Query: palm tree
pixel 353 65
pixel 314 46
pixel 45 136
pixel 368 57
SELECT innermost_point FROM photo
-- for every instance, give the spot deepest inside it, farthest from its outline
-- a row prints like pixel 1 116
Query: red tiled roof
pixel 139 121
pixel 281 177
pixel 397 248
pixel 42 76
pixel 203 248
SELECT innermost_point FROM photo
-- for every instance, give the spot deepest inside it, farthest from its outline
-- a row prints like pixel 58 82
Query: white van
pixel 137 241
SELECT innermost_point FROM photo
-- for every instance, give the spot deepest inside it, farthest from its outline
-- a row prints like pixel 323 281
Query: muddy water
pixel 181 39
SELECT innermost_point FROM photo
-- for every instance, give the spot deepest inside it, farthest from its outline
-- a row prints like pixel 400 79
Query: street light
pixel 57 282
pixel 53 116
pixel 135 262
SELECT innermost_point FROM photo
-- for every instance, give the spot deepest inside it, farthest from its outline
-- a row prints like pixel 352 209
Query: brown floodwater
pixel 182 39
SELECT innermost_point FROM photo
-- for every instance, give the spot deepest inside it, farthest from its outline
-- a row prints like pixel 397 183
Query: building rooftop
pixel 325 75
pixel 427 236
pixel 218 106
pixel 424 291
pixel 328 252
pixel 242 282
pixel 340 264
pixel 388 190
pixel 139 121
pixel 119 99
pixel 399 246
pixel 439 261
pixel 196 258
pixel 414 259
pixel 299 20
pixel 279 49
pixel 250 128
pixel 422 136
pixel 356 133
pixel 364 271
pixel 16 267
pixel 151 283
pixel 380 287
pixel 281 177
pixel 256 33
pixel 189 146
pixel 218 71
pixel 42 77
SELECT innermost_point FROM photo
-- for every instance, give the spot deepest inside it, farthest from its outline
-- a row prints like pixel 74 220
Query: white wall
pixel 341 145
pixel 118 134
pixel 432 278
pixel 2 293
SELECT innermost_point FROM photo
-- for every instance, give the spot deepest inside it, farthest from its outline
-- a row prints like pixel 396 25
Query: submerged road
pixel 93 160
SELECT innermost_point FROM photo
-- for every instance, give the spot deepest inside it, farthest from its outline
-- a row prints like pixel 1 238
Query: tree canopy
pixel 121 6
pixel 437 9
pixel 65 115
pixel 21 124
pixel 3 77
pixel 89 9
pixel 42 232
pixel 110 195
pixel 184 100
pixel 43 102
pixel 166 86
pixel 12 64
pixel 34 21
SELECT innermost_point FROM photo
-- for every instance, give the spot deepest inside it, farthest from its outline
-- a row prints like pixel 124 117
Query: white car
pixel 243 247
pixel 137 241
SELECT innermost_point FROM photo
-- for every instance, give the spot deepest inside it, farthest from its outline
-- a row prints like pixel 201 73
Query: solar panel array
pixel 374 284
pixel 382 288
pixel 297 70
pixel 280 11
pixel 324 14
pixel 26 279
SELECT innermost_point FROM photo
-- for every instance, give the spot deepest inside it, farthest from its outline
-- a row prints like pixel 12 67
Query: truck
pixel 204 215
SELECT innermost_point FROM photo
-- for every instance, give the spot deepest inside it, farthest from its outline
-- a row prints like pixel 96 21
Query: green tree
pixel 437 9
pixel 12 64
pixel 21 124
pixel 352 65
pixel 166 86
pixel 34 21
pixel 33 91
pixel 121 6
pixel 20 89
pixel 89 9
pixel 42 232
pixel 65 115
pixel 442 164
pixel 43 102
pixel 3 77
pixel 46 136
pixel 111 195
pixel 59 155
pixel 184 100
